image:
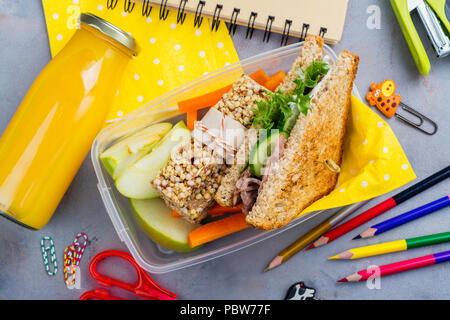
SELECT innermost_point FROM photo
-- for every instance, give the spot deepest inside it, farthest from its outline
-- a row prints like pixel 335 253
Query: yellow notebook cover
pixel 171 54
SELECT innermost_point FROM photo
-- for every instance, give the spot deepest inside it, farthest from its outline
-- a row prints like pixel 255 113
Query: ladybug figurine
pixel 382 95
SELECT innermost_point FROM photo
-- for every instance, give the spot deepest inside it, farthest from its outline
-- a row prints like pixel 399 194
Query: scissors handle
pixel 100 294
pixel 144 287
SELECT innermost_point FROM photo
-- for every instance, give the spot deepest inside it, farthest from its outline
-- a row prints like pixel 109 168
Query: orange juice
pixel 53 129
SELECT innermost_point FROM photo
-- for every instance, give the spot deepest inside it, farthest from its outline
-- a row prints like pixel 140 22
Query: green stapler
pixel 437 25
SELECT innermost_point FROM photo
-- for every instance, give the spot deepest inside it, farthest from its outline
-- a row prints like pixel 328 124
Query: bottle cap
pixel 110 30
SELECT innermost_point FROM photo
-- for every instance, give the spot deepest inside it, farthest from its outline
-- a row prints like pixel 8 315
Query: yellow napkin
pixel 373 162
pixel 171 54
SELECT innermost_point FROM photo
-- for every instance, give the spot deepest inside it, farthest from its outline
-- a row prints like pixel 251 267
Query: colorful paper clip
pixel 69 263
pixel 72 257
pixel 45 249
pixel 382 96
pixel 79 247
pixel 144 287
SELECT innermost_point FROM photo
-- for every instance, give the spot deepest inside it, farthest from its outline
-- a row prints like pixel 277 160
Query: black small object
pixel 251 25
pixel 198 19
pixel 268 28
pixel 304 33
pixel 181 14
pixel 215 22
pixel 111 4
pixel 286 30
pixel 299 291
pixel 128 6
pixel 146 8
pixel 233 21
pixel 163 11
pixel 322 32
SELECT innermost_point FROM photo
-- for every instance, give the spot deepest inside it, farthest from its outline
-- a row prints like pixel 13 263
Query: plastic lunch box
pixel 147 253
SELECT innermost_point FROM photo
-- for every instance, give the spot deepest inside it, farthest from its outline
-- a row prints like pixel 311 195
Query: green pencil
pixel 393 246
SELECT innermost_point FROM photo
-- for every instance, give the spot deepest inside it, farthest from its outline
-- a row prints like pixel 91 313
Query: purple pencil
pixel 405 217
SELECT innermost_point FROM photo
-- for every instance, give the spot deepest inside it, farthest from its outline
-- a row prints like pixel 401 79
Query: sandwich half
pixel 306 170
pixel 226 195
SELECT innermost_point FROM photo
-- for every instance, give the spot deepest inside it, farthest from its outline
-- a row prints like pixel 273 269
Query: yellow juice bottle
pixel 52 131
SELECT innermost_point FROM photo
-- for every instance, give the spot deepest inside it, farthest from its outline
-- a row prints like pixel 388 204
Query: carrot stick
pixel 218 210
pixel 275 80
pixel 175 214
pixel 191 117
pixel 260 76
pixel 211 98
pixel 217 229
pixel 203 101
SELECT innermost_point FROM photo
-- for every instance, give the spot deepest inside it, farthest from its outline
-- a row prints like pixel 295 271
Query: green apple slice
pixel 129 150
pixel 135 180
pixel 157 221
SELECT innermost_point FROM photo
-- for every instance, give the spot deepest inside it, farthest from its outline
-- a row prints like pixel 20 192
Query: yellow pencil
pixel 373 250
pixel 393 246
pixel 312 235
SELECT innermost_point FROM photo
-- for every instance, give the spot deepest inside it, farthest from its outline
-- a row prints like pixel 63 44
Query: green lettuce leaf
pixel 277 108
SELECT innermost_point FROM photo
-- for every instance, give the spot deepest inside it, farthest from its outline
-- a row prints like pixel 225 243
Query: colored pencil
pixel 393 246
pixel 398 267
pixel 312 235
pixel 405 218
pixel 381 208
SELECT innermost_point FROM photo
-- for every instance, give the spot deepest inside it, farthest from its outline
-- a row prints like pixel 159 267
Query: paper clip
pixel 79 247
pixel 72 257
pixel 382 96
pixel 45 250
pixel 70 254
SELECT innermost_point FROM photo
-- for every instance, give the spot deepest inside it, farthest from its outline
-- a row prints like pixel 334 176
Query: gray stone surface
pixel 383 52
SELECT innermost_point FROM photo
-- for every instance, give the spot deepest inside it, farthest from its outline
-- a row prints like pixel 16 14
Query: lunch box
pixel 148 254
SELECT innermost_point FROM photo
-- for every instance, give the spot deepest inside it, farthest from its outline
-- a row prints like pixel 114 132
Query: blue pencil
pixel 405 217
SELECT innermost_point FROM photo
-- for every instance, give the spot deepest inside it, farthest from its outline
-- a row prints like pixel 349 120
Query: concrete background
pixel 383 52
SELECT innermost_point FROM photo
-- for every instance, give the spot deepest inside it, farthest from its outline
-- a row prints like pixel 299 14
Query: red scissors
pixel 144 287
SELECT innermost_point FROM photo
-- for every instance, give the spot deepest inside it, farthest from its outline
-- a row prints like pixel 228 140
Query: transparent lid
pixel 110 30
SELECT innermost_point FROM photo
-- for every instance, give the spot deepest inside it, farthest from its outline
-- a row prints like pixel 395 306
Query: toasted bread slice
pixel 301 177
pixel 311 50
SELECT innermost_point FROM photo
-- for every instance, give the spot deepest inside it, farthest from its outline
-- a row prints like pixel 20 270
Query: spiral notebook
pixel 288 17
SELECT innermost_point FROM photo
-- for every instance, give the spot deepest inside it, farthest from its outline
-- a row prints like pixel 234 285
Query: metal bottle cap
pixel 110 30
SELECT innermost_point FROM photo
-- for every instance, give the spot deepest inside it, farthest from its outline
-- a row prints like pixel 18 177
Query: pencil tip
pixel 334 257
pixel 357 237
pixel 343 280
pixel 310 247
pixel 274 263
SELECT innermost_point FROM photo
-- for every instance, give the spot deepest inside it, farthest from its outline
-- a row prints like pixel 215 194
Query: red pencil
pixel 353 223
pixel 382 207
pixel 398 267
